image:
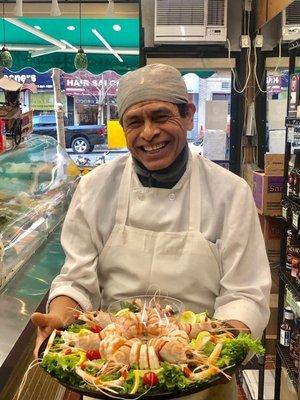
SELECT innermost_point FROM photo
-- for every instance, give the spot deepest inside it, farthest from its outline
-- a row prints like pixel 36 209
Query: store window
pixel 211 96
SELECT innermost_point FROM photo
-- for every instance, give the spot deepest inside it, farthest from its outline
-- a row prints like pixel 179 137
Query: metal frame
pixel 294 50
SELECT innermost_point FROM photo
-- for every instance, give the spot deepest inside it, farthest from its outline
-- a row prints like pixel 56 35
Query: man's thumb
pixel 43 320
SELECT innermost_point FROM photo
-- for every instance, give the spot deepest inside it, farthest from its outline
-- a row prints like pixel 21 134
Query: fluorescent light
pixel 37 27
pixel 182 28
pixel 69 44
pixel 116 28
pixel 45 51
pixel 36 32
pixel 71 28
pixel 107 45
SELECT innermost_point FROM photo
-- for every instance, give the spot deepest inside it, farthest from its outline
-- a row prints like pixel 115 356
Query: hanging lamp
pixel 80 61
pixel 5 56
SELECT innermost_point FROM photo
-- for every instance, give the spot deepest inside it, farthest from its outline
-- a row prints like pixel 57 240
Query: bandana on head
pixel 152 82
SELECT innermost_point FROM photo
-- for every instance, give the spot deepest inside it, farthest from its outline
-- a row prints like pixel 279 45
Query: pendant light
pixel 18 11
pixel 55 11
pixel 5 56
pixel 80 61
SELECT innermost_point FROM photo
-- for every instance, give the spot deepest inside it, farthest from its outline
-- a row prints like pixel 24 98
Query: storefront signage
pixel 274 84
pixel 42 101
pixel 86 84
pixel 43 81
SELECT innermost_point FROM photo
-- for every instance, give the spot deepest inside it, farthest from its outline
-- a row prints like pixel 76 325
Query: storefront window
pixel 211 96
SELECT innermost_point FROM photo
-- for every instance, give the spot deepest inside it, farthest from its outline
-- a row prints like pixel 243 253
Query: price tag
pixel 284 212
pixel 295 220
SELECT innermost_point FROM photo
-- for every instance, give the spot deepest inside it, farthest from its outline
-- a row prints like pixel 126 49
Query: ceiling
pixel 124 41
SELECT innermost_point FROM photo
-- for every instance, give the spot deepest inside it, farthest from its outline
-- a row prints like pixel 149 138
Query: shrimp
pixel 193 329
pixel 110 344
pixel 88 341
pixel 99 318
pixel 111 329
pixel 120 358
pixel 131 324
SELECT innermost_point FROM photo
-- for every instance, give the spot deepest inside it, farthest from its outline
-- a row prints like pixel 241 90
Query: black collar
pixel 163 178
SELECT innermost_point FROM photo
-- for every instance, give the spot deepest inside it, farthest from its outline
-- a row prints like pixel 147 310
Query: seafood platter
pixel 145 349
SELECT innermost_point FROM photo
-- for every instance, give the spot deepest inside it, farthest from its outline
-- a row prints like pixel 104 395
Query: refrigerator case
pixel 37 181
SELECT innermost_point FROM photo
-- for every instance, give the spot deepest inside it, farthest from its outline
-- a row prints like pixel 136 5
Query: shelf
pixel 286 359
pixel 291 283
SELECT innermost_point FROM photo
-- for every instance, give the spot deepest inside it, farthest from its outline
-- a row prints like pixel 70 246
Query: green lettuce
pixel 63 368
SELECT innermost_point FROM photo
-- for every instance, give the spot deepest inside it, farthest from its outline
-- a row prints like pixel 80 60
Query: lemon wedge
pixel 202 338
pixel 136 381
pixel 188 317
pixel 82 357
pixel 122 311
pixel 201 317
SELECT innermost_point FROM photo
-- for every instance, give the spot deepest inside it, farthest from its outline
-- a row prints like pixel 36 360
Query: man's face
pixel 156 133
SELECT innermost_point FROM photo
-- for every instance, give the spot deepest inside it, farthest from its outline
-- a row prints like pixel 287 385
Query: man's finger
pixel 38 344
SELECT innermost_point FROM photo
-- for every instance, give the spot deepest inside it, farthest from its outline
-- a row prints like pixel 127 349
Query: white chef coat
pixel 228 220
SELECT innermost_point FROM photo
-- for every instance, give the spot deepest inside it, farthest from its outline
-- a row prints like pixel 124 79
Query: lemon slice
pixel 136 381
pixel 122 311
pixel 202 337
pixel 188 317
pixel 201 317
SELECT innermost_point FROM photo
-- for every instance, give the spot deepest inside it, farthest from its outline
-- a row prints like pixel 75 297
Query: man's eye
pixel 133 124
pixel 162 118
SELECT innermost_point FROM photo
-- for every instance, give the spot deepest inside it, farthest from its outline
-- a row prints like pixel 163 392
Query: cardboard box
pixel 294 96
pixel 274 164
pixel 271 229
pixel 267 192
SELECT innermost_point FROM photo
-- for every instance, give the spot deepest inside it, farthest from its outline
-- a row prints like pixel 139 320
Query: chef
pixel 162 217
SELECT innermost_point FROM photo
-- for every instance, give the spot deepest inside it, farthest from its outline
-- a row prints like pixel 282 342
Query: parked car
pixel 81 138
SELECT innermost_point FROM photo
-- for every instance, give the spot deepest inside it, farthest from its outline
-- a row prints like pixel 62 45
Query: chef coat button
pixel 141 196
pixel 172 196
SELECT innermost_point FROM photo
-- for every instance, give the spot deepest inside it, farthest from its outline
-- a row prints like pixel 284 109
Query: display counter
pixel 36 185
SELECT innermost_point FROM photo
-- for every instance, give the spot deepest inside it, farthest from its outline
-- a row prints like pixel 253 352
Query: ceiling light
pixel 36 32
pixel 107 45
pixel 117 28
pixel 37 27
pixel 71 28
pixel 69 44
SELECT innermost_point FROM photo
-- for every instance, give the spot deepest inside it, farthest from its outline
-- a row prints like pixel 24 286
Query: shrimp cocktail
pixel 145 348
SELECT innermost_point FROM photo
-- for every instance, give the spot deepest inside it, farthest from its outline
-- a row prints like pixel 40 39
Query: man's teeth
pixel 154 147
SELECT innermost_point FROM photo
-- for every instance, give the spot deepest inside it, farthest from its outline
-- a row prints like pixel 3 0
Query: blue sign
pixel 43 80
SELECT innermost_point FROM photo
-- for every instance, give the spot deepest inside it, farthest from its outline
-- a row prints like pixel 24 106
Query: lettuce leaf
pixel 63 368
pixel 234 351
pixel 171 378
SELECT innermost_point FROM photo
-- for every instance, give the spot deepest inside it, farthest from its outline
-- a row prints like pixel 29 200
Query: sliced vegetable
pixel 93 355
pixel 136 382
pixel 188 317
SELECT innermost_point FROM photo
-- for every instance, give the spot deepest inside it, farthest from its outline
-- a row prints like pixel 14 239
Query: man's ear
pixel 190 116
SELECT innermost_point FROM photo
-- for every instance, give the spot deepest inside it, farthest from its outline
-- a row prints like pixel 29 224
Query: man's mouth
pixel 152 148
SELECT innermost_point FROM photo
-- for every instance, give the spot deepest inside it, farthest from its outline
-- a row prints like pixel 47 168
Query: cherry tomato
pixel 187 372
pixel 150 379
pixel 93 355
pixel 96 329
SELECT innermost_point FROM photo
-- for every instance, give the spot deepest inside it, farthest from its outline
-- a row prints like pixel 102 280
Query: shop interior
pixel 62 60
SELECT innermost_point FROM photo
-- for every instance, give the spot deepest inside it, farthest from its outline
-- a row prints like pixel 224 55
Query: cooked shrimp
pixel 131 324
pixel 111 329
pixel 110 344
pixel 88 341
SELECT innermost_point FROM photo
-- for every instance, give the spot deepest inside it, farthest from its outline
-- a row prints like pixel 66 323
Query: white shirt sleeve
pixel 78 278
pixel 246 279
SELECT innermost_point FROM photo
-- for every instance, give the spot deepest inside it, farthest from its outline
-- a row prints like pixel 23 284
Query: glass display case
pixel 37 181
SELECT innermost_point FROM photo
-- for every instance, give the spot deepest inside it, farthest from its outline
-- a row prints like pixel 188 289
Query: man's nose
pixel 150 131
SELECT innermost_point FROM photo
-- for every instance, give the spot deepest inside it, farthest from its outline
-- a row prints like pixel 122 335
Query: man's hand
pixel 45 324
pixel 240 326
pixel 62 310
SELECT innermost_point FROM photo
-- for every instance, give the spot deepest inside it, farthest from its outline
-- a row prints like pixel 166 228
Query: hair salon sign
pixel 84 83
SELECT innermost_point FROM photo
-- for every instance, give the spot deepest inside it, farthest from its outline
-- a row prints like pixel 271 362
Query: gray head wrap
pixel 152 82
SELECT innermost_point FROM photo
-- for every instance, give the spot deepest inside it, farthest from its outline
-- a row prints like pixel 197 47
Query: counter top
pixel 26 290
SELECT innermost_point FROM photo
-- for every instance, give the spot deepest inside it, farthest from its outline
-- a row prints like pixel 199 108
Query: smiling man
pixel 162 218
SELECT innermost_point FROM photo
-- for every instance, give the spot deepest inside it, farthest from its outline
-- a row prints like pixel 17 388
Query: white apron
pixel 134 260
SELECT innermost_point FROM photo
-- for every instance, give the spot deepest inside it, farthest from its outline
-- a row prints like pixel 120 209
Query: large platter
pixel 199 387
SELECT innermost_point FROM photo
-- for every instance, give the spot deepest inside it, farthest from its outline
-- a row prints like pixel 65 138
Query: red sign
pixel 86 84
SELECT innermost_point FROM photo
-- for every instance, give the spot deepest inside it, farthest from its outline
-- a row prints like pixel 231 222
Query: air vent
pixel 215 15
pixel 180 12
pixel 293 13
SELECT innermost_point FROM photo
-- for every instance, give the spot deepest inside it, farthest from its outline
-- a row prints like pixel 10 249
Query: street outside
pixel 100 155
